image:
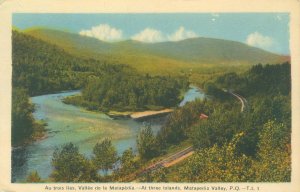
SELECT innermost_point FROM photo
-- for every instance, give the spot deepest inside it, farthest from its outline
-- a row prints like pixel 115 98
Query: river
pixel 67 123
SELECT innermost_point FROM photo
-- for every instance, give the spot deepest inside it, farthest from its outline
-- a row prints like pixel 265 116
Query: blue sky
pixel 269 31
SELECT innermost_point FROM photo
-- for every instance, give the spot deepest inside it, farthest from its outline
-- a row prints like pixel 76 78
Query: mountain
pixel 205 50
pixel 189 53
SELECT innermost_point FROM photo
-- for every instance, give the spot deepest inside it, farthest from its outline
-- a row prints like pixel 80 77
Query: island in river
pixel 68 123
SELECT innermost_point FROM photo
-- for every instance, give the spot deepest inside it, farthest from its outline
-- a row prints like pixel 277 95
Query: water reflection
pixel 19 163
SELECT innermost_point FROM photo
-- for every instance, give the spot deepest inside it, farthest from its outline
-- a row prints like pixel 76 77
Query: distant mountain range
pixel 144 56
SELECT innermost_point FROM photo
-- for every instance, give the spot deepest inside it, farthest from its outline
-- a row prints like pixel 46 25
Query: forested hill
pixel 181 53
pixel 42 68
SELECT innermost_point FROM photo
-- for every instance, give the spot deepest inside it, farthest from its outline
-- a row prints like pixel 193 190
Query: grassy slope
pixel 200 57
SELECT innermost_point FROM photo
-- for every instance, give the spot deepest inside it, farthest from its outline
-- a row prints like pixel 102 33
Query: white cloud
pixel 258 40
pixel 103 32
pixel 181 34
pixel 106 32
pixel 149 35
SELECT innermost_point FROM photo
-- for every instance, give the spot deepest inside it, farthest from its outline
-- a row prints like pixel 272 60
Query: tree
pixel 22 118
pixel 33 177
pixel 128 165
pixel 147 144
pixel 71 166
pixel 218 164
pixel 128 162
pixel 105 155
pixel 159 175
pixel 274 155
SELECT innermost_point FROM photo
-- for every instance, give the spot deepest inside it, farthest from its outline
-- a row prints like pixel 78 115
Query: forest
pixel 130 92
pixel 42 68
pixel 229 146
pixel 235 146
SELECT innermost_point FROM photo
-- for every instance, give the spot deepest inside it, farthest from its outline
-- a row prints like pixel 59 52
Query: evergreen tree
pixel 71 166
pixel 147 144
pixel 105 155
pixel 22 118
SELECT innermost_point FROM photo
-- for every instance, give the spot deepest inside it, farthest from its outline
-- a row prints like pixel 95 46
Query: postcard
pixel 149 96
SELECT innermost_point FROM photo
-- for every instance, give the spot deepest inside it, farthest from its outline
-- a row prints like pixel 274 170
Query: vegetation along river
pixel 67 123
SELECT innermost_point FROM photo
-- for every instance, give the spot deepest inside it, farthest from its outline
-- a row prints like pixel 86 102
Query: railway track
pixel 167 160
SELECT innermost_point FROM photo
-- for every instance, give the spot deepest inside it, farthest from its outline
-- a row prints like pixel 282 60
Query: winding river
pixel 67 123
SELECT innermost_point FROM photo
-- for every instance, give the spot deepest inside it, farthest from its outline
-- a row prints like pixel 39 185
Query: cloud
pixel 150 35
pixel 258 40
pixel 106 32
pixel 103 32
pixel 181 34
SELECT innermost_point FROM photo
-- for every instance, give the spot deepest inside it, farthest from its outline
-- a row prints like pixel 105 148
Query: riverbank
pixel 139 115
pixel 39 133
pixel 84 128
pixel 146 114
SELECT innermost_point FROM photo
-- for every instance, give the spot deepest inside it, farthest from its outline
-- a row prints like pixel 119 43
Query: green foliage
pixel 217 93
pixel 218 164
pixel 147 144
pixel 268 107
pixel 268 79
pixel 79 101
pixel 217 129
pixel 129 164
pixel 159 175
pixel 42 67
pixel 267 99
pixel 259 80
pixel 71 166
pixel 230 80
pixel 33 177
pixel 159 57
pixel 22 119
pixel 262 152
pixel 274 155
pixel 224 164
pixel 131 92
pixel 178 122
pixel 105 155
pixel 24 128
pixel 223 123
pixel 39 68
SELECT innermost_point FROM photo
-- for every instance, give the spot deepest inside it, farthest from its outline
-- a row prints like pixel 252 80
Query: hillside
pixel 181 55
pixel 203 50
pixel 41 67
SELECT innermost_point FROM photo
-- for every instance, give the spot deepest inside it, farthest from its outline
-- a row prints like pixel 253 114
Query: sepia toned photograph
pixel 167 98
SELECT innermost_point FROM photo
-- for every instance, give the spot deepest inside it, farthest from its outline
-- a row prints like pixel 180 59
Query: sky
pixel 269 31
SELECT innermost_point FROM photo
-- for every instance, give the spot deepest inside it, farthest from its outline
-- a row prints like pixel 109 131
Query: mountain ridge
pixel 183 54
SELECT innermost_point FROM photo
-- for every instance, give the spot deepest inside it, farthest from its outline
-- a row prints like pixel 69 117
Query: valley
pixel 85 102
